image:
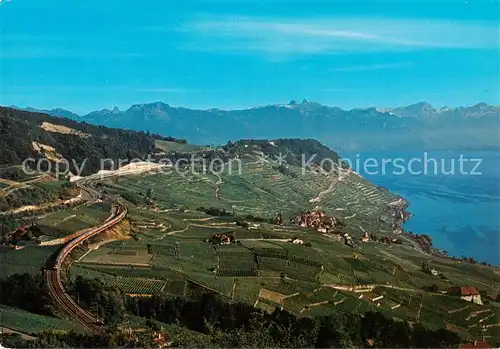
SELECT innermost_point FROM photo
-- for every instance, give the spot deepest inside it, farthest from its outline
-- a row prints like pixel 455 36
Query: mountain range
pixel 419 126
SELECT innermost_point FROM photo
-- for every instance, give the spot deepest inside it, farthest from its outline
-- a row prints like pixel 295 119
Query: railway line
pixel 52 276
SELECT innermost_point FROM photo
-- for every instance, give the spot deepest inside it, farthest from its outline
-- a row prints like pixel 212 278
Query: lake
pixel 459 206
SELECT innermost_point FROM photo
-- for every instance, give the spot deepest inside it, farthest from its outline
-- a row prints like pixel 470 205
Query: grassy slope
pixel 65 222
pixel 30 259
pixel 26 322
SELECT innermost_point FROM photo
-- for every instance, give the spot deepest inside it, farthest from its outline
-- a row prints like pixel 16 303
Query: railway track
pixel 52 276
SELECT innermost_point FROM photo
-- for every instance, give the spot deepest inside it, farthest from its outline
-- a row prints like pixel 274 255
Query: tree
pixel 424 267
pixel 433 288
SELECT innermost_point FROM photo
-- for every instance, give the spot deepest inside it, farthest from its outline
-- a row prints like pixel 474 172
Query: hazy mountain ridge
pixel 418 126
pixel 59 112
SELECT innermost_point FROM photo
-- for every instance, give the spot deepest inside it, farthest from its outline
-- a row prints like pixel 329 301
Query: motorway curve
pixel 53 276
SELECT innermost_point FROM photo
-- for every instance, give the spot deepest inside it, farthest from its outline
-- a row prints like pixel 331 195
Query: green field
pixel 65 222
pixel 26 322
pixel 30 259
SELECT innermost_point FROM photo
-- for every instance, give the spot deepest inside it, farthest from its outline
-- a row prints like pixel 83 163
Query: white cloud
pixel 348 89
pixel 37 52
pixel 102 87
pixel 333 35
pixel 162 90
pixel 383 66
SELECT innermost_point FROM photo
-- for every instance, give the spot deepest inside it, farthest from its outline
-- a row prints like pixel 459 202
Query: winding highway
pixel 52 275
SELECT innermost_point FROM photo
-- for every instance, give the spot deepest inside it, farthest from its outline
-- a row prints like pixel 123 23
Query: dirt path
pixel 218 184
pixel 199 219
pixel 17 185
pixel 263 239
pixel 325 192
pixel 340 177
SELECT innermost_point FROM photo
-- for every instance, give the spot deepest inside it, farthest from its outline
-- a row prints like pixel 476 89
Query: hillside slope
pixel 255 227
pixel 183 222
pixel 26 135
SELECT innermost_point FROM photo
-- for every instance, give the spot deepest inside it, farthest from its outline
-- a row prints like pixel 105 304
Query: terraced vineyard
pixel 136 285
pixel 229 258
pixel 62 223
pixel 305 279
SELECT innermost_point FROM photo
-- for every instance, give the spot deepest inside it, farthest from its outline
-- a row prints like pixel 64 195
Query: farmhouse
pixel 348 240
pixel 221 239
pixel 161 340
pixel 434 272
pixel 279 219
pixel 467 293
pixel 365 237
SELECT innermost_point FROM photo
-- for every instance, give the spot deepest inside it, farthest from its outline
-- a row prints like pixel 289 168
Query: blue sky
pixel 94 54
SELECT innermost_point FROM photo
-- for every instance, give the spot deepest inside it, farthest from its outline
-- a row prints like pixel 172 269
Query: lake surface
pixel 458 207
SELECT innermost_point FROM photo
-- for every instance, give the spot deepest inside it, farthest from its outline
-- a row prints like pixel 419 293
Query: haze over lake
pixel 460 211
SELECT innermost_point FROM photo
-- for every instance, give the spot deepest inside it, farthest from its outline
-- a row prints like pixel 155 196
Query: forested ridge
pixel 88 144
pixel 19 129
pixel 288 150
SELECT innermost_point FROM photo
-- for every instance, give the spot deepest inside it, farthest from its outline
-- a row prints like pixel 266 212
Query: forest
pixel 19 129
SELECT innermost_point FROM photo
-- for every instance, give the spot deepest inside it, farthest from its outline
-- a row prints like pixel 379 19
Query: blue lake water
pixel 460 209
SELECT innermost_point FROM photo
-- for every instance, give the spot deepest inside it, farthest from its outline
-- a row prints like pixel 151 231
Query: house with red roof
pixel 467 293
pixel 162 340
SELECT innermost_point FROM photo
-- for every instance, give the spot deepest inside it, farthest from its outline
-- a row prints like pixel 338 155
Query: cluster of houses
pixel 319 221
pixel 19 238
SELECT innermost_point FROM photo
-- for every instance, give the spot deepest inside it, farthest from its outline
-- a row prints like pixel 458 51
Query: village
pixel 319 221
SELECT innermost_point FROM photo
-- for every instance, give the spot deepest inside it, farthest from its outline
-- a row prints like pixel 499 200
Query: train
pixel 113 218
pixel 52 275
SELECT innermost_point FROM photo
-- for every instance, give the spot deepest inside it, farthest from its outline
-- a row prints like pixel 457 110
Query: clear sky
pixel 93 54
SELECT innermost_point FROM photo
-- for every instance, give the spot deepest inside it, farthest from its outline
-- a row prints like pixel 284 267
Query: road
pixel 53 276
